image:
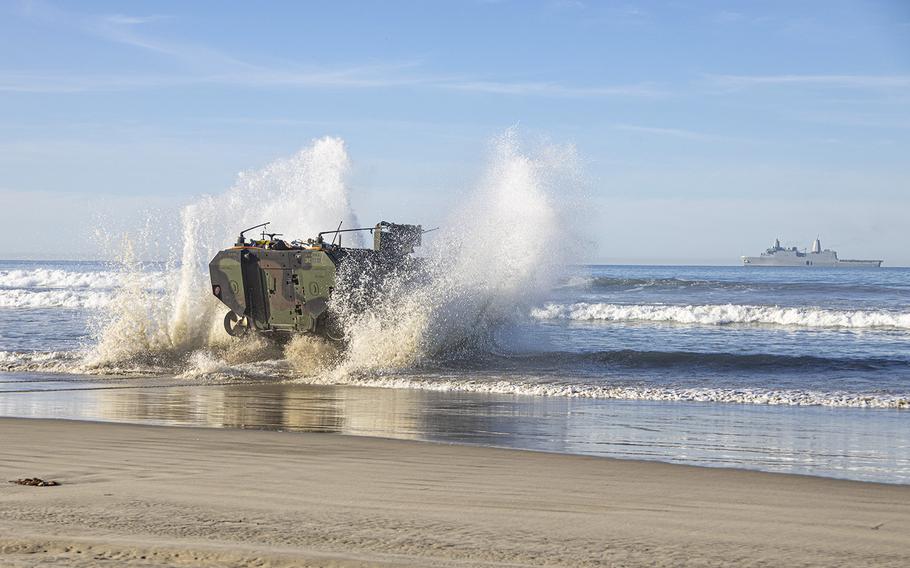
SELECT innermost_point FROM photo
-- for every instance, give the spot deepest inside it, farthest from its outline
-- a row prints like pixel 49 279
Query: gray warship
pixel 817 257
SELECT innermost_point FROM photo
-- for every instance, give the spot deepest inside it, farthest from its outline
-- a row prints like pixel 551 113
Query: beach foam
pixel 40 361
pixel 511 386
pixel 70 279
pixel 67 299
pixel 724 314
pixel 305 359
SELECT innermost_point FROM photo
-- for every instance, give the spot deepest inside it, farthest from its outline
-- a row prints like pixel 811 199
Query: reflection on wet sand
pixel 271 406
pixel 851 443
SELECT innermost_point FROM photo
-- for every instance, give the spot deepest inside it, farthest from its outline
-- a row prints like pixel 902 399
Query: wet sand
pixel 165 496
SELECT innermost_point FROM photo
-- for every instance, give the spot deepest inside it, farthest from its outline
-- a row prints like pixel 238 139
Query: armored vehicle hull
pixel 273 286
pixel 278 290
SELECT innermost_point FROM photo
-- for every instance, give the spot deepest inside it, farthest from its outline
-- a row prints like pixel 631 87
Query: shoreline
pixel 456 443
pixel 145 495
pixel 786 439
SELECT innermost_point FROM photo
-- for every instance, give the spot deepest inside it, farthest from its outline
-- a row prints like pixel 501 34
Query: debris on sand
pixel 34 482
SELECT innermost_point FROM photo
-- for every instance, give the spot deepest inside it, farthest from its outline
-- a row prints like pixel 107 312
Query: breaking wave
pixel 247 363
pixel 814 286
pixel 69 279
pixel 608 282
pixel 71 289
pixel 40 361
pixel 724 314
pixel 513 386
pixel 628 359
pixel 66 299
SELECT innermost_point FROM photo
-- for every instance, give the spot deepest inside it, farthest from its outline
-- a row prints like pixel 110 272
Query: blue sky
pixel 706 128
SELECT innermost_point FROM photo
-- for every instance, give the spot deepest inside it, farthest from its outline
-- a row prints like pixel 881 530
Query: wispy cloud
pixel 554 89
pixel 202 65
pixel 248 76
pixel 844 81
pixel 127 30
pixel 671 132
pixel 35 83
pixel 124 20
pixel 378 77
pixel 874 117
pixel 728 17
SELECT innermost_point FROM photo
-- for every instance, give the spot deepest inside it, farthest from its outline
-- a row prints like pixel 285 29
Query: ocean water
pixel 505 339
pixel 791 370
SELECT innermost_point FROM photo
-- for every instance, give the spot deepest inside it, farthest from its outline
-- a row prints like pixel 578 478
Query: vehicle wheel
pixel 331 329
pixel 236 326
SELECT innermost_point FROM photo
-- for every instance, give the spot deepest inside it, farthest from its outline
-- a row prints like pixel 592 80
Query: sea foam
pixel 724 314
pixel 775 397
pixel 66 299
pixel 70 279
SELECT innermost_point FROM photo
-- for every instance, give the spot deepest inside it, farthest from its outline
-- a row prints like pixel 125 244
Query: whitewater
pixel 726 314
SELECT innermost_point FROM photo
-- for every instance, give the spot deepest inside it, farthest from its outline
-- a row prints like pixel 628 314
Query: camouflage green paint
pixel 271 285
pixel 227 280
pixel 296 284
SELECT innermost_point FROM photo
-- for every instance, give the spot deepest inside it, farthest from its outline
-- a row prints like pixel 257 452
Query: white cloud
pixel 554 89
pixel 674 132
pixel 846 81
pixel 252 77
pixel 385 76
pixel 125 20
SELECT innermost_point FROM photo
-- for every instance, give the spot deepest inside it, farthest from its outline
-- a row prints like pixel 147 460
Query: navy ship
pixel 826 258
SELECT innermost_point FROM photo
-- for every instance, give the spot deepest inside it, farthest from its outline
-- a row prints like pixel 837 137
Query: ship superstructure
pixel 817 257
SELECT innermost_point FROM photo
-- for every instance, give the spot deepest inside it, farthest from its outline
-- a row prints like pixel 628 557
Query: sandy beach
pixel 164 496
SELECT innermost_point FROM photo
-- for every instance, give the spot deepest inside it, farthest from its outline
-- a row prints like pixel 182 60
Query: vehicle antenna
pixel 240 240
pixel 338 233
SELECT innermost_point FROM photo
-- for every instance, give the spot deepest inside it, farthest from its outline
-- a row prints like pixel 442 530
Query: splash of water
pixel 298 194
pixel 496 257
pixel 493 260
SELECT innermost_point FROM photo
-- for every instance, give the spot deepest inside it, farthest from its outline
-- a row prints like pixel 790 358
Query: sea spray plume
pixel 493 261
pixel 132 326
pixel 299 195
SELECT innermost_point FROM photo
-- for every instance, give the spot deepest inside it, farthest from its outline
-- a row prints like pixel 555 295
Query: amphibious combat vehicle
pixel 278 287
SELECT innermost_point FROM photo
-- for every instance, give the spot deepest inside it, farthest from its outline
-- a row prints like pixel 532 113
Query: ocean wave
pixel 724 314
pixel 206 367
pixel 716 361
pixel 39 361
pixel 614 282
pixel 67 299
pixel 778 397
pixel 629 283
pixel 67 279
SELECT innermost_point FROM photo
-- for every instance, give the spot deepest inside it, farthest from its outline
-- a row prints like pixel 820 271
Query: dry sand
pixel 159 496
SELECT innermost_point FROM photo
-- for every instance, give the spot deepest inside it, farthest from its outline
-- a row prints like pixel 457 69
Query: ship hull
pixel 807 262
